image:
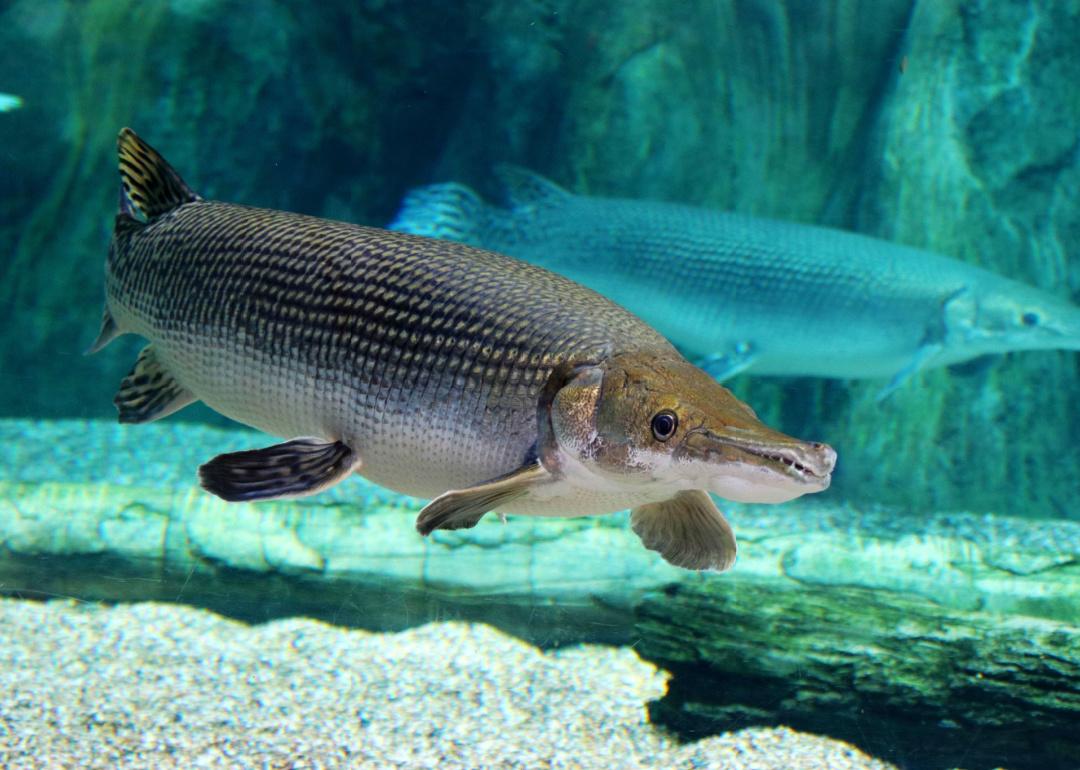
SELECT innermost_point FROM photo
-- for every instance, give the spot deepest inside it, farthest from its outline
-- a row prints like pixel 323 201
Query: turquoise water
pixel 926 608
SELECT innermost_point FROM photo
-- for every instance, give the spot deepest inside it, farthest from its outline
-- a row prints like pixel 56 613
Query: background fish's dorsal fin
pixel 447 210
pixel 150 183
pixel 522 187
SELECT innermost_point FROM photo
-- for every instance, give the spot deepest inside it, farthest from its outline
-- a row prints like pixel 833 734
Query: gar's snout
pixel 760 465
pixel 808 461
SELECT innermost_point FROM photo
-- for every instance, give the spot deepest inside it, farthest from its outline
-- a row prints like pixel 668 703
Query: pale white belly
pixel 570 501
pixel 421 449
pixel 578 491
pixel 422 452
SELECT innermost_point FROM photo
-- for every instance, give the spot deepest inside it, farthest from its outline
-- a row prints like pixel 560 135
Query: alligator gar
pixel 433 368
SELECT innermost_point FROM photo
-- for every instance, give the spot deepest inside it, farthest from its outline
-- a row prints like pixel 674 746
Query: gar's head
pixel 639 419
pixel 998 315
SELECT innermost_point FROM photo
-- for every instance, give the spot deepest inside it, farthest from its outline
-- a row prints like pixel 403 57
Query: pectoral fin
pixel 296 468
pixel 688 531
pixel 150 392
pixel 959 314
pixel 922 356
pixel 463 508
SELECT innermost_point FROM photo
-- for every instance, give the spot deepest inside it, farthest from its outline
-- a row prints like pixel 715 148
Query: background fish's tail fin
pixel 451 211
pixel 150 183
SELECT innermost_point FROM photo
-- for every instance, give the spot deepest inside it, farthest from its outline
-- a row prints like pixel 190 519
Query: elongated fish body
pixel 405 347
pixel 431 367
pixel 740 293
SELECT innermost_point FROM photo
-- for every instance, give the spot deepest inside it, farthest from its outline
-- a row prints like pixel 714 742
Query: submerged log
pixel 903 678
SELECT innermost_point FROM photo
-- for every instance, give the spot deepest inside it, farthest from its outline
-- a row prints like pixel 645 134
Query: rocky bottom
pixel 159 685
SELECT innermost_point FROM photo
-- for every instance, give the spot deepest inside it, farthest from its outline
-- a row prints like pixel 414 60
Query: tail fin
pixel 150 183
pixel 452 211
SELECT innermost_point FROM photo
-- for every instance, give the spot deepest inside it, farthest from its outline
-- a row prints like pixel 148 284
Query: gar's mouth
pixel 791 463
pixel 807 463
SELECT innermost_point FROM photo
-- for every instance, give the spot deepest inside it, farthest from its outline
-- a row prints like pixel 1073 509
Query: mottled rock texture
pixel 947 124
pixel 978 156
pixel 324 111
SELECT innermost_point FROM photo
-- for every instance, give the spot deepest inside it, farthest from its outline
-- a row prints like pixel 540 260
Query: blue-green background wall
pixel 943 124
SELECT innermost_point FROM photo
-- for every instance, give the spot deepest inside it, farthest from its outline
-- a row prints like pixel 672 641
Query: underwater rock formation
pixel 976 155
pixel 833 617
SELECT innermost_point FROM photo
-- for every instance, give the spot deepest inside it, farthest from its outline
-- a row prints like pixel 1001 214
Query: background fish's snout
pixel 1066 327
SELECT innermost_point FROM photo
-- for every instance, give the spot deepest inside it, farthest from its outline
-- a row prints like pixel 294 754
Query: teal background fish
pixel 742 294
pixel 923 607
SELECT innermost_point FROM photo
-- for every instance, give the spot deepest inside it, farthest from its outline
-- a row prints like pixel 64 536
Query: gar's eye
pixel 664 425
pixel 1030 319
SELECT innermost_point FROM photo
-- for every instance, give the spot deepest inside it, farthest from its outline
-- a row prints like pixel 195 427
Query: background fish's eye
pixel 664 425
pixel 1030 319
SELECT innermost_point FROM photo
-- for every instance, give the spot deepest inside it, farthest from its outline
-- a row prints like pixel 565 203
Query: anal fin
pixel 106 334
pixel 463 508
pixel 150 392
pixel 296 468
pixel 688 530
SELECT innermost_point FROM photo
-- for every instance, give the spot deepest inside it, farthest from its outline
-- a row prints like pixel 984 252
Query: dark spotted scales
pixel 419 361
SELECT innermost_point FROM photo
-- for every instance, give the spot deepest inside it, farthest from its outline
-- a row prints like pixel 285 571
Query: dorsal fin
pixel 522 187
pixel 150 183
